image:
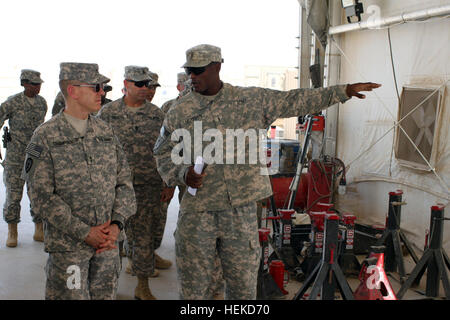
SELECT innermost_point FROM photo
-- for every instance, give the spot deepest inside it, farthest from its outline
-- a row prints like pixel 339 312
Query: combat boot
pixel 12 235
pixel 161 263
pixel 142 291
pixel 155 273
pixel 38 232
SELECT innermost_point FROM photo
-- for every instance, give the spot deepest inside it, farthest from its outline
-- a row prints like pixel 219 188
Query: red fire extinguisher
pixel 279 274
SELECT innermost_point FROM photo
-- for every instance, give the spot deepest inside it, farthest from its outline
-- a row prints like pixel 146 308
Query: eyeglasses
pixel 96 86
pixel 34 83
pixel 142 83
pixel 196 71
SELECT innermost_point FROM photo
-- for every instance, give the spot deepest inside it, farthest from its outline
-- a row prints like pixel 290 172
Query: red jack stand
pixel 375 284
pixel 327 274
pixel 434 259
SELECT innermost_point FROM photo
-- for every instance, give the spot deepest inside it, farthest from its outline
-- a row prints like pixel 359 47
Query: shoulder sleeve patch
pixel 34 150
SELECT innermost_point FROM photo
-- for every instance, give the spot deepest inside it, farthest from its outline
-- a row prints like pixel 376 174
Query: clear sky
pixel 41 34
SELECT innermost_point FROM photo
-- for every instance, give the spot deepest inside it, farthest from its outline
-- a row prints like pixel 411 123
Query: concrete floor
pixel 22 274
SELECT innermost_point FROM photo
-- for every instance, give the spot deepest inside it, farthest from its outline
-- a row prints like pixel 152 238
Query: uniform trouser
pixel 232 235
pixel 14 191
pixel 82 275
pixel 141 229
pixel 159 228
pixel 217 283
pixel 160 224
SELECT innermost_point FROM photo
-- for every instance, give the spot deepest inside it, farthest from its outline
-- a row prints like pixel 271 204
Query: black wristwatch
pixel 118 223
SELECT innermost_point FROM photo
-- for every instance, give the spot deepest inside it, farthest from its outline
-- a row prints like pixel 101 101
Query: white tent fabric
pixel 421 53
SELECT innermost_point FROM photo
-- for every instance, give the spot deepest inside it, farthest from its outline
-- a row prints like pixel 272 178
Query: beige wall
pixel 277 78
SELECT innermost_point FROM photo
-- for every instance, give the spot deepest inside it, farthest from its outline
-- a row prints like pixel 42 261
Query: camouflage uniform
pixel 24 118
pixel 182 78
pixel 161 218
pixel 59 104
pixel 137 132
pixel 223 213
pixel 78 182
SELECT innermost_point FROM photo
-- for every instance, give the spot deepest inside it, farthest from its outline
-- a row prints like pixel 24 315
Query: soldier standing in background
pixel 25 111
pixel 136 122
pixel 221 217
pixel 160 221
pixel 182 77
pixel 80 183
pixel 59 103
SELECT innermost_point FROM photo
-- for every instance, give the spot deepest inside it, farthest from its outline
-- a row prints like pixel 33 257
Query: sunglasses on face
pixel 196 71
pixel 142 83
pixel 96 87
pixel 34 84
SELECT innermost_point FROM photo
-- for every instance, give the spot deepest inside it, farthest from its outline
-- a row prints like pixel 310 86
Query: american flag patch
pixel 34 150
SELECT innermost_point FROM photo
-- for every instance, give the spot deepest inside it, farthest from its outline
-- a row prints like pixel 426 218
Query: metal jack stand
pixel 434 259
pixel 347 259
pixel 392 236
pixel 266 285
pixel 327 273
pixel 281 242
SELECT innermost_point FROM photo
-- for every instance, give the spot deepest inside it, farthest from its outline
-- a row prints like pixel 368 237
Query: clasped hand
pixel 103 237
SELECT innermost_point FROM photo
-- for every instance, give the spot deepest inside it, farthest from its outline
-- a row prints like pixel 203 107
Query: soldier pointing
pixel 222 214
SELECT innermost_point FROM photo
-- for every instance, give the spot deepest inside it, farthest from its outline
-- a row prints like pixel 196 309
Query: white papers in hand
pixel 198 168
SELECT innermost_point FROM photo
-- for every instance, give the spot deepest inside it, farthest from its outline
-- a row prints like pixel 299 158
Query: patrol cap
pixel 83 72
pixel 154 81
pixel 136 73
pixel 182 77
pixel 202 55
pixel 31 75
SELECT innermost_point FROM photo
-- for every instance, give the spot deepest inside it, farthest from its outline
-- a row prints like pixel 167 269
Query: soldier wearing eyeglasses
pixel 80 183
pixel 222 217
pixel 25 112
pixel 137 122
pixel 60 103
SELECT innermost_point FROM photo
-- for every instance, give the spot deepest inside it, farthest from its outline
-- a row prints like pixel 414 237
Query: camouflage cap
pixel 136 73
pixel 83 72
pixel 104 79
pixel 202 55
pixel 31 75
pixel 154 81
pixel 182 77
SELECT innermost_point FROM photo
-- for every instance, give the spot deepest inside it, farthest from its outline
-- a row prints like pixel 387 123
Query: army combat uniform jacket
pixel 232 185
pixel 137 132
pixel 24 118
pixel 77 182
pixel 167 105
